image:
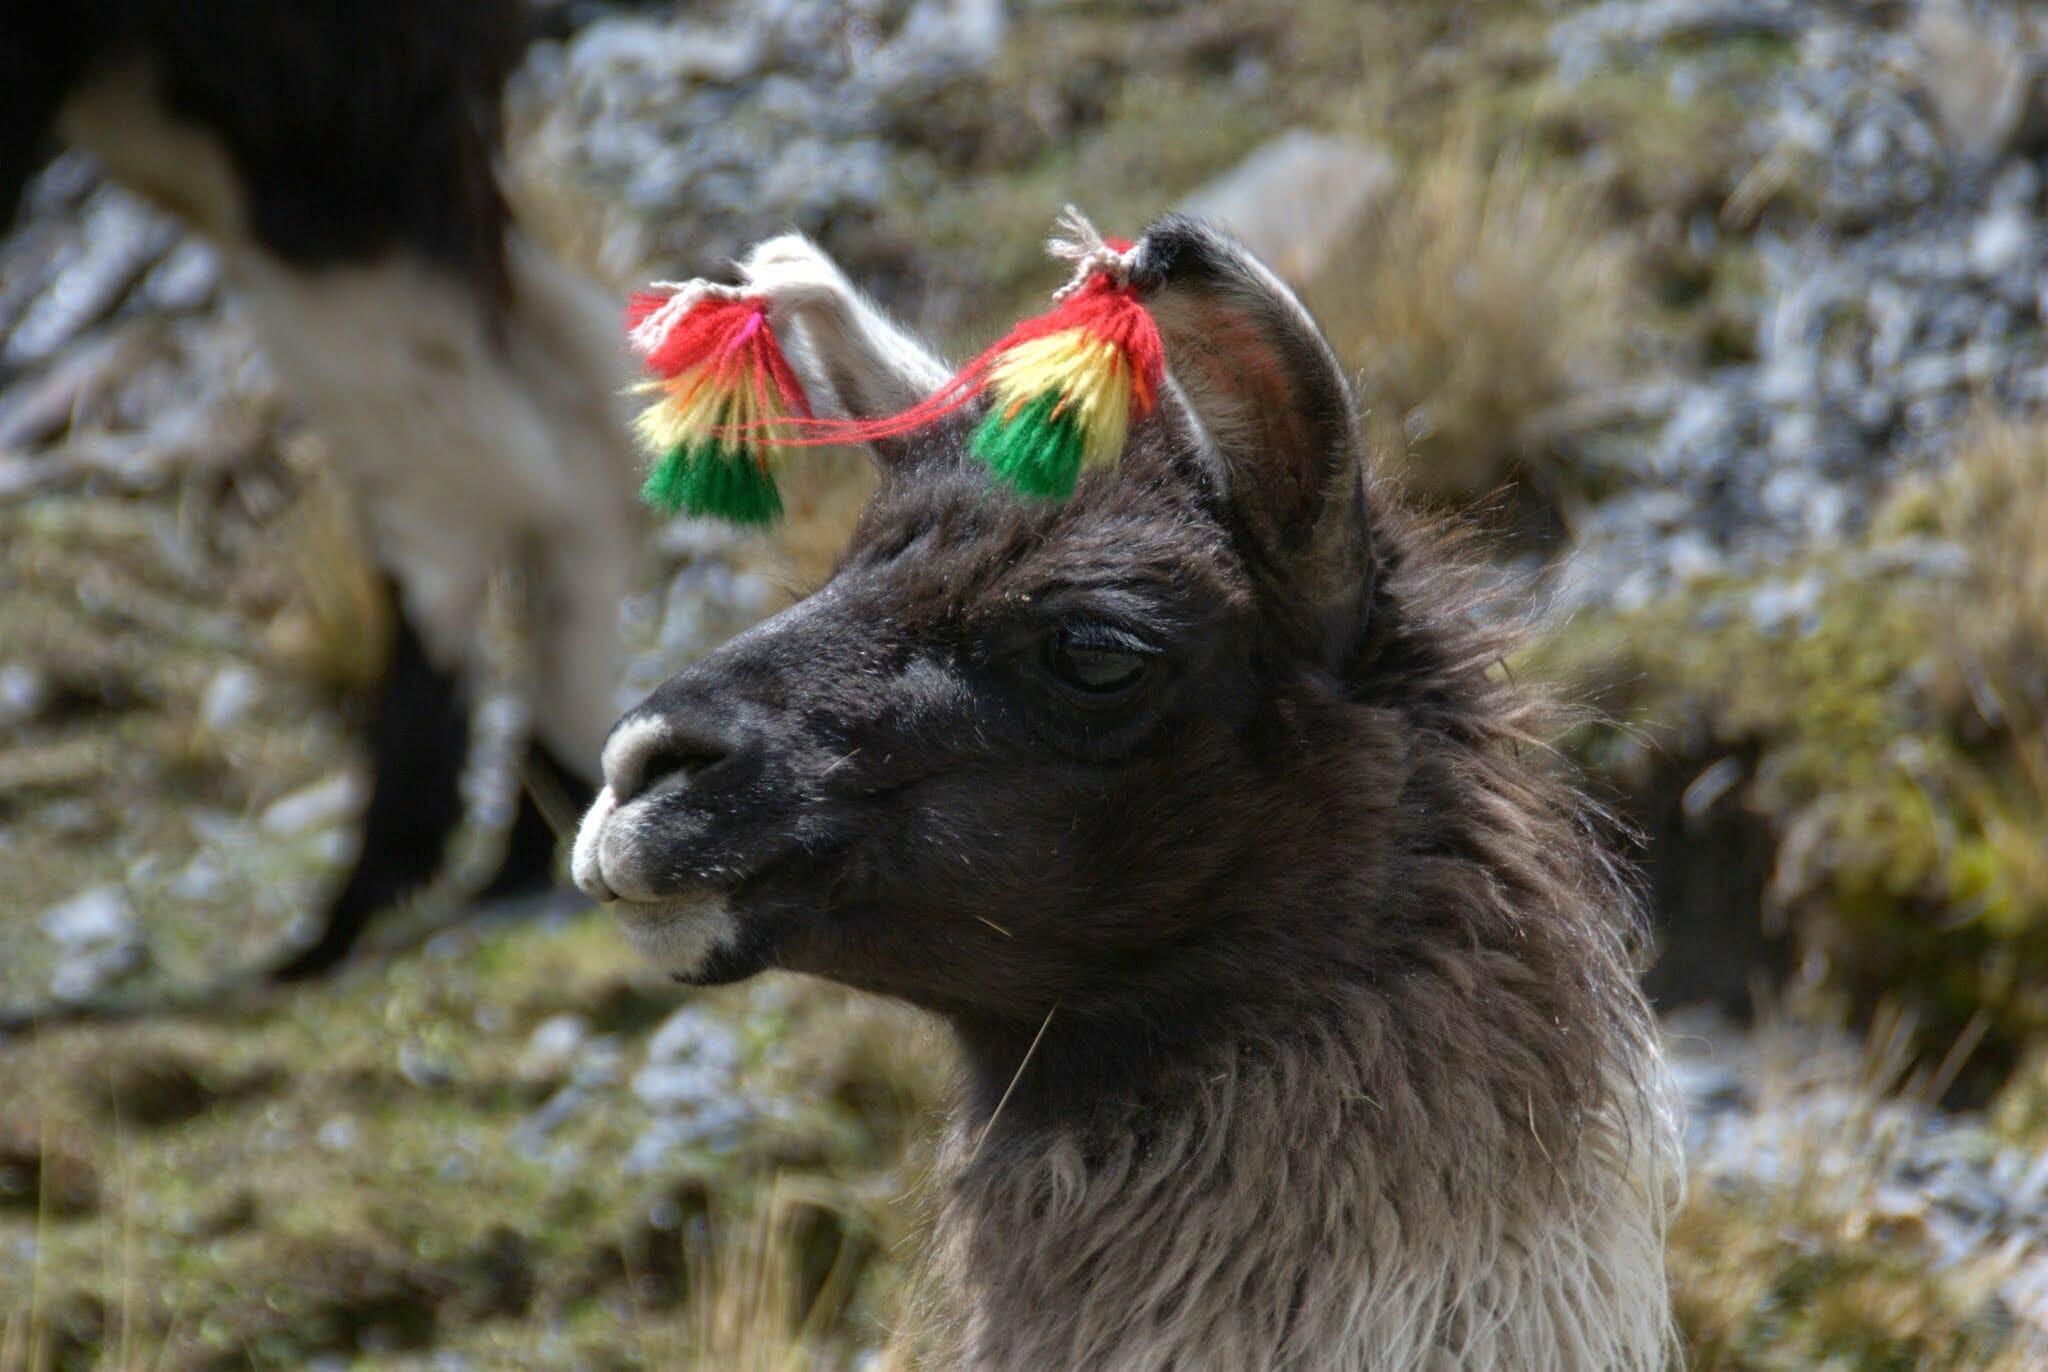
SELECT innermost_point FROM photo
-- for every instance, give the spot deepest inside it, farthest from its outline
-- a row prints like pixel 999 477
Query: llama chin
pixel 684 936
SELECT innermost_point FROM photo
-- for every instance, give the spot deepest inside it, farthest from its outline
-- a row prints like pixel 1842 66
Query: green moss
pixel 335 1193
pixel 1908 842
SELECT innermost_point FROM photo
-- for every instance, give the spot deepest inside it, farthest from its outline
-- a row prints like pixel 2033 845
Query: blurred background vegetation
pixel 1725 317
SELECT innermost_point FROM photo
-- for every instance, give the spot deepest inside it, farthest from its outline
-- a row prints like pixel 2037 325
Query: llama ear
pixel 855 362
pixel 1261 381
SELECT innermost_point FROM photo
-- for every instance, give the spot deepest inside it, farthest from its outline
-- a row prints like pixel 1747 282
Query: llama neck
pixel 1347 1193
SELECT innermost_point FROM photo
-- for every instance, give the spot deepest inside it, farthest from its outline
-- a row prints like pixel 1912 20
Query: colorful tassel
pixel 1065 388
pixel 726 392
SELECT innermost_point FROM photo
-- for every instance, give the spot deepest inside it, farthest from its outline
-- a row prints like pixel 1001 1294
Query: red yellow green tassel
pixel 1065 387
pixel 726 392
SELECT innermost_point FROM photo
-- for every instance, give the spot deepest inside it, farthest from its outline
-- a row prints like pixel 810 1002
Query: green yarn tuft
pixel 1035 450
pixel 712 480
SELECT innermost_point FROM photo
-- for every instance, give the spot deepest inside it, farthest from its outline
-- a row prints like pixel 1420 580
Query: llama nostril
pixel 643 754
pixel 678 757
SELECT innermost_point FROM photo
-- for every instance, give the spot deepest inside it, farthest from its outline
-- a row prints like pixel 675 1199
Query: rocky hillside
pixel 1725 317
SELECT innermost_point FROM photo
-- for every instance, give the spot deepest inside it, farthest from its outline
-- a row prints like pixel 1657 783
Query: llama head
pixel 1020 752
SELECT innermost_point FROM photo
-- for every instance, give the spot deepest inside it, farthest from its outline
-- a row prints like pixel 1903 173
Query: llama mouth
pixel 683 929
pixel 682 934
pixel 617 860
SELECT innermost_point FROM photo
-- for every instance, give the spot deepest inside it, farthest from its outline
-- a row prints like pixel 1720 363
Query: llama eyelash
pixel 1096 634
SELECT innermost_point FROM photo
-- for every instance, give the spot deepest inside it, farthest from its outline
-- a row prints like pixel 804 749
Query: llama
pixel 340 154
pixel 1294 1003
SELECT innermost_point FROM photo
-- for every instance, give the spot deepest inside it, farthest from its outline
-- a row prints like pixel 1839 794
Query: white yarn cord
pixel 1078 242
pixel 683 297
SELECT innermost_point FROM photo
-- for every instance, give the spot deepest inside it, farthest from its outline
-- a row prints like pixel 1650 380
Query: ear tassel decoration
pixel 1063 387
pixel 1066 386
pixel 726 391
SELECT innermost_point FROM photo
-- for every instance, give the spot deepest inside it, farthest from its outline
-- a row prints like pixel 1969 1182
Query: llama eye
pixel 1097 661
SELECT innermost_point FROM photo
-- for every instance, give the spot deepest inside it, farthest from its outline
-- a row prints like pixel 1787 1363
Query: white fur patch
pixel 835 335
pixel 585 868
pixel 681 934
pixel 468 452
pixel 118 118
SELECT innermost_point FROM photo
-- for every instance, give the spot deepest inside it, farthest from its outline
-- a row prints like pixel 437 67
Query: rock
pixel 936 39
pixel 41 406
pixel 1985 75
pixel 1597 36
pixel 715 1124
pixel 2000 242
pixel 96 917
pixel 709 132
pixel 24 692
pixel 671 53
pixel 338 1135
pixel 101 942
pixel 332 801
pixel 186 280
pixel 1297 198
pixel 229 696
pixel 423 1067
pixel 199 880
pixel 693 1034
pixel 1775 607
pixel 122 238
pixel 75 817
pixel 553 1046
pixel 532 1135
pixel 84 975
pixel 602 1062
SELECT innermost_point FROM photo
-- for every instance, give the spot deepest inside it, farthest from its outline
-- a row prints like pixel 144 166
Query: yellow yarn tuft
pixel 1090 375
pixel 697 403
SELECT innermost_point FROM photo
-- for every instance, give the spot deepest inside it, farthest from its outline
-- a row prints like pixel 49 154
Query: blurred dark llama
pixel 341 155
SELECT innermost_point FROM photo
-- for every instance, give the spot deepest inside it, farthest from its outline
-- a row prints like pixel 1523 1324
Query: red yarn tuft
pixel 719 332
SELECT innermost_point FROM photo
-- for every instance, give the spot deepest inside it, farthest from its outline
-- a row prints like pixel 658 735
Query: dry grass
pixel 770 1296
pixel 1485 293
pixel 49 1330
pixel 1823 1265
pixel 1993 676
pixel 1995 508
pixel 176 1193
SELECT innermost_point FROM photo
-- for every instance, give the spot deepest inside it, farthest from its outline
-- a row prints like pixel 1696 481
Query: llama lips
pixel 687 931
pixel 585 868
pixel 608 862
pixel 681 931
